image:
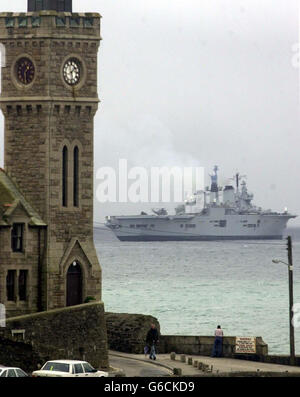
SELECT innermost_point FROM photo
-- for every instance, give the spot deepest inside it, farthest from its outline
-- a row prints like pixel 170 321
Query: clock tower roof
pixel 50 5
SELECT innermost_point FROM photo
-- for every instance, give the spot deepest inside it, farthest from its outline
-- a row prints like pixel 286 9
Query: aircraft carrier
pixel 217 213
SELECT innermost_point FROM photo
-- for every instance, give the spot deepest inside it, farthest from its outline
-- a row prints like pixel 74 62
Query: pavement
pixel 141 365
pixel 133 368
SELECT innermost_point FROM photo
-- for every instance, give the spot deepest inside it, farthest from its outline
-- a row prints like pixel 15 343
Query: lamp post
pixel 291 298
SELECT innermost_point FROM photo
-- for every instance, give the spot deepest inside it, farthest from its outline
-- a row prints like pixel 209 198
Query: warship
pixel 216 213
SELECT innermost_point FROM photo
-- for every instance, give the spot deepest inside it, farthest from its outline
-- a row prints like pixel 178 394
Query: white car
pixel 68 369
pixel 11 372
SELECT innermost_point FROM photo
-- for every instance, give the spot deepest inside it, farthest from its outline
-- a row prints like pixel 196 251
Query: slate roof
pixel 11 198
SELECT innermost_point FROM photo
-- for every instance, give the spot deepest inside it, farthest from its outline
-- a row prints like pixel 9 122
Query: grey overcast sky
pixel 199 82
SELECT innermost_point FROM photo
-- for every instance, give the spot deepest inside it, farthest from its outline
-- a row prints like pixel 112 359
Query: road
pixel 135 365
pixel 137 368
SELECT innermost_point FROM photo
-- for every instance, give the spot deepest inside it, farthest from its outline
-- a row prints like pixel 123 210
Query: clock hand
pixel 25 74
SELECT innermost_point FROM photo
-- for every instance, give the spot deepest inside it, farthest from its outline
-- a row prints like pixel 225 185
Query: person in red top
pixel 218 343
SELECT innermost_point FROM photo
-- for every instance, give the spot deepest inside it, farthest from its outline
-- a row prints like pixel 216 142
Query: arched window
pixel 65 177
pixel 76 178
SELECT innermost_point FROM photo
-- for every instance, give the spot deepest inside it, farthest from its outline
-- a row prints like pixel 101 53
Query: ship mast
pixel 237 177
pixel 214 188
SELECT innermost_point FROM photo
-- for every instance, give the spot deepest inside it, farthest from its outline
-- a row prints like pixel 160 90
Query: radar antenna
pixel 237 178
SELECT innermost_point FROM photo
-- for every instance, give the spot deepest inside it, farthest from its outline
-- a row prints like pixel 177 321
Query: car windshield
pixel 88 368
pixel 54 366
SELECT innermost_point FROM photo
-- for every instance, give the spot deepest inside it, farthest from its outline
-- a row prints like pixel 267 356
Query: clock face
pixel 72 69
pixel 25 71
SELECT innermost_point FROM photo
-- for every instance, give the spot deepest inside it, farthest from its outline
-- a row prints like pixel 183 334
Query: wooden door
pixel 74 285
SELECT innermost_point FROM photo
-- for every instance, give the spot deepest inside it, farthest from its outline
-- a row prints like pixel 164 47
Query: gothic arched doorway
pixel 74 284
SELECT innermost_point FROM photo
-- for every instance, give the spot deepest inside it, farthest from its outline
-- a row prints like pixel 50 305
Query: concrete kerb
pixel 244 374
pixel 118 354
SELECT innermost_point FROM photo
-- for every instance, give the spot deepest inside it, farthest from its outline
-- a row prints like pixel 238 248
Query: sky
pixel 198 82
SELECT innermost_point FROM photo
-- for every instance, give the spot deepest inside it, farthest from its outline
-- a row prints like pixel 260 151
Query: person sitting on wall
pixel 151 341
pixel 218 343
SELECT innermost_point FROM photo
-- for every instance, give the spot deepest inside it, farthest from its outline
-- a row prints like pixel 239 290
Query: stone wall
pixel 19 354
pixel 77 332
pixel 203 345
pixel 127 332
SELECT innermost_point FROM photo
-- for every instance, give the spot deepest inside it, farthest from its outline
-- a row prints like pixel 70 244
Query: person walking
pixel 151 341
pixel 218 343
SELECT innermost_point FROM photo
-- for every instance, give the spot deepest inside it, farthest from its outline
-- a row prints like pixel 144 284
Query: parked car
pixel 68 368
pixel 11 372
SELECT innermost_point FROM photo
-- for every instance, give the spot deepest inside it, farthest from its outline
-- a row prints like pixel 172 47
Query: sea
pixel 191 287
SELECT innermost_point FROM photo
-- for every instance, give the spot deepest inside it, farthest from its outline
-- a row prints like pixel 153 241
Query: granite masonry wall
pixel 203 345
pixel 127 333
pixel 77 332
pixel 19 354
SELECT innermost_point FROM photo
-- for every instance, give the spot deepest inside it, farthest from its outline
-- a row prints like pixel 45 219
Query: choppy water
pixel 193 286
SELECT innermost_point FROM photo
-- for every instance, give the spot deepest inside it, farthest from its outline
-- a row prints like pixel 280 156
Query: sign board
pixel 245 345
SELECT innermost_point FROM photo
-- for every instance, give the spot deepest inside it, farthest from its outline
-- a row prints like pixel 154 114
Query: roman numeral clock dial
pixel 72 71
pixel 25 71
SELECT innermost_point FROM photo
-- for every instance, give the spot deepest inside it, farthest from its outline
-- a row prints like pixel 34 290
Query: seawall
pixel 127 333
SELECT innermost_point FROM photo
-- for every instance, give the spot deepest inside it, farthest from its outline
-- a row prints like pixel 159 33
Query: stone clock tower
pixel 49 100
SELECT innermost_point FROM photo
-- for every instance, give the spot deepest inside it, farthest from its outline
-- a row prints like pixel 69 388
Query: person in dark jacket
pixel 151 341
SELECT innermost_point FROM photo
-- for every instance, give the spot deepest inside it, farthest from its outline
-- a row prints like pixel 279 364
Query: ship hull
pixel 199 227
pixel 195 238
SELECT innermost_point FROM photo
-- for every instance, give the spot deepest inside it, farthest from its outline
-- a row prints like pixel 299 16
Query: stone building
pixel 49 99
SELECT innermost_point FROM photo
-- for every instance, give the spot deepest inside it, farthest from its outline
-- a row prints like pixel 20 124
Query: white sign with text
pixel 245 345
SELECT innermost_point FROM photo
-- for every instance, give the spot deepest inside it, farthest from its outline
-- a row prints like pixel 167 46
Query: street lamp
pixel 280 261
pixel 291 298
